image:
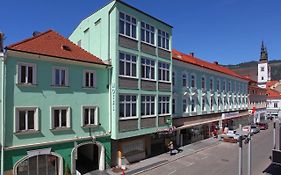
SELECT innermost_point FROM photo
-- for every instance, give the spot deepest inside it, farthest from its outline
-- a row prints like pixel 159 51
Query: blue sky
pixel 228 31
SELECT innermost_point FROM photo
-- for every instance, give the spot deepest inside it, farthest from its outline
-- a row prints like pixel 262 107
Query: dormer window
pixel 66 48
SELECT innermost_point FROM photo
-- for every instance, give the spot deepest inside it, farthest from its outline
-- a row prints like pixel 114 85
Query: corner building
pixel 138 46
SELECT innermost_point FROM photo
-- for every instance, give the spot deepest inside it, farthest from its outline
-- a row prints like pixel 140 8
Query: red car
pixel 263 126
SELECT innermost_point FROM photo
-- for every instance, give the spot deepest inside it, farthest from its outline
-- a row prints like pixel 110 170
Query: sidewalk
pixel 165 158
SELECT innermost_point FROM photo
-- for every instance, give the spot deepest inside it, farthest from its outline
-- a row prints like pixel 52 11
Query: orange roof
pixel 204 64
pixel 271 83
pixel 273 94
pixel 50 43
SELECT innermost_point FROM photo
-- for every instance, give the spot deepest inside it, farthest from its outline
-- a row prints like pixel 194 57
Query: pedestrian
pixel 171 147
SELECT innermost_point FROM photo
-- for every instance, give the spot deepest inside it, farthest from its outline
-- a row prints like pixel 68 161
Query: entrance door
pixel 87 158
pixel 39 165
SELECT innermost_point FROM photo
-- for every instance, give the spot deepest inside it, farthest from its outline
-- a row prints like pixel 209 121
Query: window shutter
pixel 34 74
pixel 66 77
pixel 36 119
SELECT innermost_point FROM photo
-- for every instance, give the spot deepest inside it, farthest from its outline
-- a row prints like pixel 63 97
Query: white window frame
pixel 146 63
pixel 184 78
pixel 68 117
pixel 131 62
pixel 54 76
pixel 17 109
pixel 163 71
pixel 147 33
pixel 163 105
pixel 203 83
pixel 275 104
pixel 89 81
pixel 131 102
pixel 193 104
pixel 194 80
pixel 151 103
pixel 34 73
pixel 96 115
pixel 163 40
pixel 132 26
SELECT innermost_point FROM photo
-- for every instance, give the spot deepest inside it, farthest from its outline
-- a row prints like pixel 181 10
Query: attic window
pixel 66 48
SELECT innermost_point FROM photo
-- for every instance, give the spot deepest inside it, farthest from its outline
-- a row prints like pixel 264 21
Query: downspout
pixel 2 57
pixel 109 70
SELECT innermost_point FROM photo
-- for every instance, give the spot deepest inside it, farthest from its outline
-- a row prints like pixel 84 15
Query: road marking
pixel 187 164
pixel 172 172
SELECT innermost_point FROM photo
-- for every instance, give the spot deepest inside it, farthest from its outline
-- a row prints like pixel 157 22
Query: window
pixel 147 69
pixel 173 78
pixel 212 104
pixel 193 81
pixel 26 73
pixel 211 84
pixel 203 83
pixel 193 104
pixel 127 106
pixel 225 103
pixel 89 78
pixel 60 117
pixel 262 78
pixel 262 69
pixel 184 80
pixel 90 115
pixel 147 105
pixel 163 39
pixel 163 104
pixel 218 85
pixel 164 71
pixel 127 65
pixel 223 85
pixel 275 105
pixel 60 76
pixel 147 33
pixel 234 87
pixel 26 119
pixel 203 106
pixel 127 25
pixel 229 86
pixel 174 106
pixel 185 105
pixel 219 104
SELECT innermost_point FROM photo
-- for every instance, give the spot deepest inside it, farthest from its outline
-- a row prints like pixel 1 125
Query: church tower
pixel 264 71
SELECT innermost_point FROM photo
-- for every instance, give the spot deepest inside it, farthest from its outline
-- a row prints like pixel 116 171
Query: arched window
pixel 184 80
pixel 193 81
pixel 203 83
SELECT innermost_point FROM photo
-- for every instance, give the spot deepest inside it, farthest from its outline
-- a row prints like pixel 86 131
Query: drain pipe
pixel 2 59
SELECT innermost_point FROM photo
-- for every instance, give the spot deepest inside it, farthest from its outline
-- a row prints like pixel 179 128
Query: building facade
pixel 257 101
pixel 54 117
pixel 138 46
pixel 205 96
pixel 273 103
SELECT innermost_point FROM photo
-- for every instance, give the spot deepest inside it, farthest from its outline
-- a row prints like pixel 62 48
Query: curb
pixel 148 169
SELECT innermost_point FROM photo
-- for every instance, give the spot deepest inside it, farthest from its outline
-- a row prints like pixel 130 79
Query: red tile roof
pixel 204 64
pixel 50 43
pixel 271 83
pixel 273 94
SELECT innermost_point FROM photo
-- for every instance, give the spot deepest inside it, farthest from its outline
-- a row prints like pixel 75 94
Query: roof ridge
pixel 28 39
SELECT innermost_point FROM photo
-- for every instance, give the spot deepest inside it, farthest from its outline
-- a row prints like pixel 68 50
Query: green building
pixel 54 108
pixel 138 46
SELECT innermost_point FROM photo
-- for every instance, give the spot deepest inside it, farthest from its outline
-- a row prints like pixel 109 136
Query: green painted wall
pixel 108 18
pixel 44 96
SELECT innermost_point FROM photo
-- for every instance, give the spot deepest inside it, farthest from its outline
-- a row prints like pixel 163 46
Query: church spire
pixel 264 55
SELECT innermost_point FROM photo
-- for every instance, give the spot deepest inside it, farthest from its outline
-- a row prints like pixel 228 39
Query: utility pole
pixel 240 151
pixel 274 132
pixel 249 155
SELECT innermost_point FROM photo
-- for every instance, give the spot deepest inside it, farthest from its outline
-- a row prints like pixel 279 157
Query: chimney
pixel 216 62
pixel 192 54
pixel 36 33
pixel 1 42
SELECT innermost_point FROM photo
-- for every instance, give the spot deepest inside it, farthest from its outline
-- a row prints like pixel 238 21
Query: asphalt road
pixel 222 159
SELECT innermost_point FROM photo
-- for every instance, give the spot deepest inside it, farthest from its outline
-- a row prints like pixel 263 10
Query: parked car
pixel 230 139
pixel 253 129
pixel 262 126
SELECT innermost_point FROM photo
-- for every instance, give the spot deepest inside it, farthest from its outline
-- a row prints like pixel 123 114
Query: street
pixel 222 159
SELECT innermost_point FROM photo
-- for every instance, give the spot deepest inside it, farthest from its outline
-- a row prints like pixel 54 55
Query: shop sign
pixel 39 152
pixel 169 130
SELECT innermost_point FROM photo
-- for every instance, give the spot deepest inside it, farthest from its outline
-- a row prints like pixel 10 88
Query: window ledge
pixel 90 126
pixel 129 37
pixel 26 85
pixel 163 115
pixel 26 132
pixel 146 79
pixel 60 129
pixel 89 88
pixel 57 86
pixel 148 116
pixel 128 118
pixel 129 77
pixel 162 81
pixel 149 44
pixel 164 49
